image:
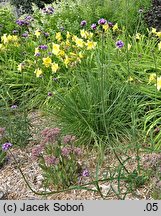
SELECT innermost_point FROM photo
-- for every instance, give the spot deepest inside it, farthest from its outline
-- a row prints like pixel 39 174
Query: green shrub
pixel 7 21
pixel 26 6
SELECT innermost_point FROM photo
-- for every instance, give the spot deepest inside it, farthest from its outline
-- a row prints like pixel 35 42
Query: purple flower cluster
pixel 119 44
pixel 110 24
pixel 151 160
pixel 50 94
pixel 68 139
pixel 6 146
pixel 51 160
pixel 50 134
pixel 94 26
pixel 66 151
pixel 15 31
pixel 46 34
pixel 14 106
pixel 48 10
pixel 25 35
pixel 36 151
pixel 85 173
pixel 43 47
pixel 83 23
pixel 37 54
pixel 24 22
pixel 102 21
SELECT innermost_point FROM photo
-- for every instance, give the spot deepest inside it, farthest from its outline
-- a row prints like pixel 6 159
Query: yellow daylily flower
pixel 58 36
pixel 67 42
pixel 4 39
pixel 80 55
pixel 2 47
pixel 137 36
pixel 129 46
pixel 14 38
pixel 154 31
pixel 54 67
pixel 47 61
pixel 36 50
pixel 91 45
pixel 55 49
pixel 159 45
pixel 158 83
pixel 9 37
pixel 74 38
pixel 152 78
pixel 20 67
pixel 158 34
pixel 105 26
pixel 61 53
pixel 115 27
pixel 130 78
pixel 90 35
pixel 66 61
pixel 37 33
pixel 38 72
pixel 83 33
pixel 79 42
pixel 68 35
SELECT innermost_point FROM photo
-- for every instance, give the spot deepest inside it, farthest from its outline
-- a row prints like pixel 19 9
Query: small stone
pixel 2 195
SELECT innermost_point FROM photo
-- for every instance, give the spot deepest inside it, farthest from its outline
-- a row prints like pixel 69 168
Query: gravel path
pixel 15 188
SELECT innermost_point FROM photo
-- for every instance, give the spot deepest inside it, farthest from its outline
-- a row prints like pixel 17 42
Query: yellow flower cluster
pixel 158 34
pixel 155 80
pixel 9 38
pixel 66 50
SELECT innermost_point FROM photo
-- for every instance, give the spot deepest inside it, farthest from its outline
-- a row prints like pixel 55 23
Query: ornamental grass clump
pixel 59 159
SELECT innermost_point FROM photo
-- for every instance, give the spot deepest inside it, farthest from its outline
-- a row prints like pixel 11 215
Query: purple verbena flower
pixel 37 54
pixel 25 35
pixel 49 10
pixel 46 34
pixel 119 44
pixel 43 47
pixel 102 21
pixel 15 31
pixel 62 28
pixel 14 106
pixel 20 22
pixel 6 146
pixel 28 18
pixel 55 79
pixel 85 173
pixel 93 26
pixel 83 23
pixel 50 94
pixel 110 24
